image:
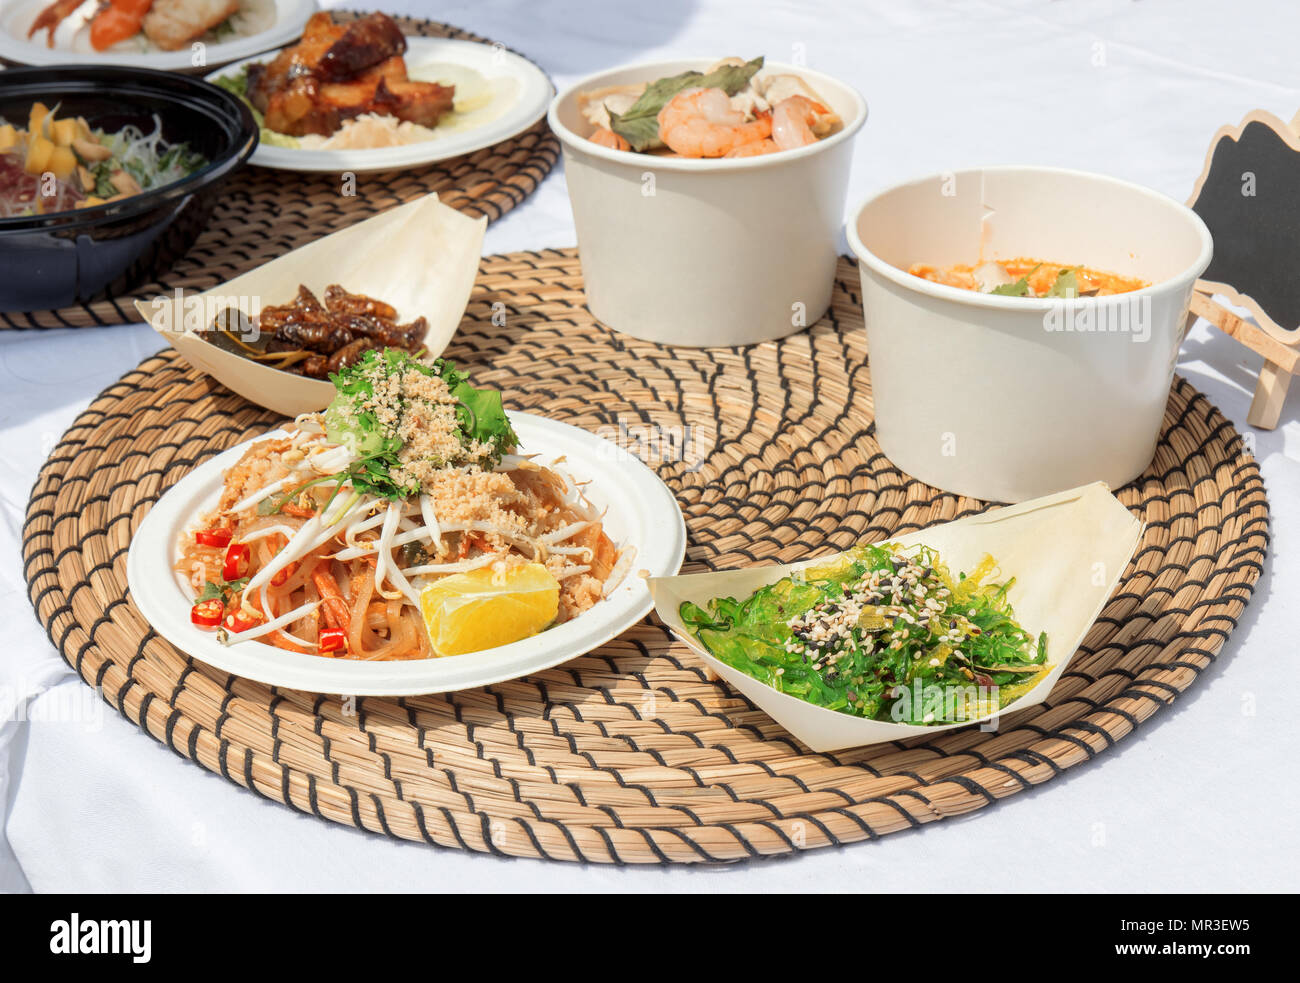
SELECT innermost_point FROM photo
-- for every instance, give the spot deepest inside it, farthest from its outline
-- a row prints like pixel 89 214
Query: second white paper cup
pixel 1009 398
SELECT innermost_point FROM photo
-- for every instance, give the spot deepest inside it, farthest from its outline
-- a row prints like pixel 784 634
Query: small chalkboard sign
pixel 1248 195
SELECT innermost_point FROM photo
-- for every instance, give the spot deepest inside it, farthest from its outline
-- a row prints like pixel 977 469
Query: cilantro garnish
pixel 221 590
pixel 1066 285
pixel 1018 289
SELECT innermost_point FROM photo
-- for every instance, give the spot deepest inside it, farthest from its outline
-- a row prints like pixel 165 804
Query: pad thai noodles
pixel 401 523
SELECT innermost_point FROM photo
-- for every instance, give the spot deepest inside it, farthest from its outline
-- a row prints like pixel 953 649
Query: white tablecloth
pixel 1199 798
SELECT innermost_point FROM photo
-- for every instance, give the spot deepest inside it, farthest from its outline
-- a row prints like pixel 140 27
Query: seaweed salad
pixel 881 632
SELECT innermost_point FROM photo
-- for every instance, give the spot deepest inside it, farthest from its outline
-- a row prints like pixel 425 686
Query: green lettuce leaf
pixel 237 85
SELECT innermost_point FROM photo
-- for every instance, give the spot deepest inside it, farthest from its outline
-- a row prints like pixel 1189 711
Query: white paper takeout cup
pixel 420 257
pixel 707 253
pixel 1009 398
pixel 1067 553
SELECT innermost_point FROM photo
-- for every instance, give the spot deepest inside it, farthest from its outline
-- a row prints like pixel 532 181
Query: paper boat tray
pixel 1067 552
pixel 420 257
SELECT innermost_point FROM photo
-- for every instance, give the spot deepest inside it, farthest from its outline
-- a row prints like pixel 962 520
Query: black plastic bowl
pixel 51 261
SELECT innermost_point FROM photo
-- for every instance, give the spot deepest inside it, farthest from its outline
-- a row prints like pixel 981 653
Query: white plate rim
pixel 291 18
pixel 164 605
pixel 532 105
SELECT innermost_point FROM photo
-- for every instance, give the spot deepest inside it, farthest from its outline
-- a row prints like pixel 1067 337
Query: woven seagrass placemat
pixel 264 213
pixel 631 754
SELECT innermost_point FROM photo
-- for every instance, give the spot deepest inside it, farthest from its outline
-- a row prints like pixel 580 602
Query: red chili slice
pixel 237 559
pixel 237 621
pixel 214 537
pixel 331 640
pixel 207 614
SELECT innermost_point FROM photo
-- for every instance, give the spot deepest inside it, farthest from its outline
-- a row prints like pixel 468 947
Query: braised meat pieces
pixel 340 71
pixel 338 332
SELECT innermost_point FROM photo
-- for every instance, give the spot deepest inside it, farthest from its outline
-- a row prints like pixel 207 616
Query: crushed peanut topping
pixel 406 410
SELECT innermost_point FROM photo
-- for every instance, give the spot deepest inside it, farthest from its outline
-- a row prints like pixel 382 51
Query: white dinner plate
pixel 72 39
pixel 641 512
pixel 517 96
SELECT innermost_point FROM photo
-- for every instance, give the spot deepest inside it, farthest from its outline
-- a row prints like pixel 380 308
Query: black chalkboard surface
pixel 1249 196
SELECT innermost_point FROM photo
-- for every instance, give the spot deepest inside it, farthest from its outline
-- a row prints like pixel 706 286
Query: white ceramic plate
pixel 506 94
pixel 642 512
pixel 72 39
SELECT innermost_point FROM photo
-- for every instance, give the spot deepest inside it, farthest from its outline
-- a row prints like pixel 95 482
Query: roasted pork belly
pixel 340 71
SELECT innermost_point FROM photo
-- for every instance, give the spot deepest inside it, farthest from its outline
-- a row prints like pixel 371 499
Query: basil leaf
pixel 639 126
pixel 641 132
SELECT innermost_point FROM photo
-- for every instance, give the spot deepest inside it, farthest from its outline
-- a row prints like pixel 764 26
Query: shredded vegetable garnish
pixel 870 632
pixel 147 157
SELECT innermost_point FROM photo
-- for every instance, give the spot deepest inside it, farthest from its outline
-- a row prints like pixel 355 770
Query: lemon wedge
pixel 480 609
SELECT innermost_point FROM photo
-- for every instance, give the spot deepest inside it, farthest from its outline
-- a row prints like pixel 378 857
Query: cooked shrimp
pixel 120 20
pixel 701 123
pixel 792 122
pixel 608 138
pixel 754 149
pixel 51 17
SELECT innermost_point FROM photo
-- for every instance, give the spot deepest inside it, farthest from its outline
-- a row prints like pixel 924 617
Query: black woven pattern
pixel 264 213
pixel 631 754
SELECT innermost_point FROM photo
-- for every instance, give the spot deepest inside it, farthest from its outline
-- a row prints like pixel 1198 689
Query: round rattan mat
pixel 264 213
pixel 631 754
